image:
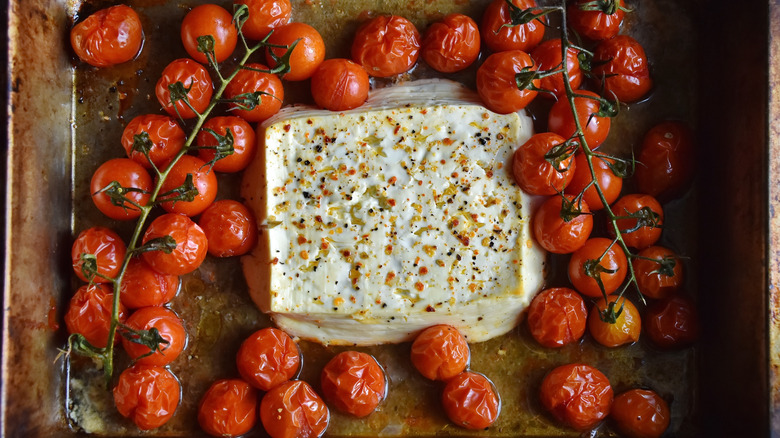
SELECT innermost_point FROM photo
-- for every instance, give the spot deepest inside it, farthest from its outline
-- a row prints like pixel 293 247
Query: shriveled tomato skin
pixel 496 83
pixel 498 33
pixel 89 314
pixel 652 281
pixel 534 173
pixel 471 401
pixel 306 56
pixel 646 235
pixel 626 328
pixel 595 25
pixel 666 160
pixel 268 358
pixel 622 64
pixel 610 183
pixel 578 395
pixel 614 260
pixel 264 15
pixel 164 132
pixel 244 143
pixel 386 46
pixel 148 395
pixel 129 175
pixel 440 352
pixel 641 413
pixel 108 248
pixel 292 410
pixel 547 56
pixel 213 20
pixel 554 233
pixel 230 228
pixel 354 383
pixel 203 178
pixel 595 128
pixel 340 84
pixel 142 286
pixel 108 37
pixel 672 322
pixel 191 244
pixel 228 408
pixel 195 78
pixel 170 327
pixel 557 317
pixel 252 81
pixel 452 44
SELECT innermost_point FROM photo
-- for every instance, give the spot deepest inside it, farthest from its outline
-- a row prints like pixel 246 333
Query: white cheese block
pixel 378 222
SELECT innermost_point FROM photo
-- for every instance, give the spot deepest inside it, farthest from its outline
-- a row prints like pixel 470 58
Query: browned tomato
pixel 109 36
pixel 672 322
pixel 386 46
pixel 165 135
pixel 562 229
pixel 292 410
pixel 89 314
pixel 638 232
pixel 556 317
pixel 625 327
pixel 666 160
pixel 148 395
pixel 610 184
pixel 354 383
pixel 142 286
pixel 243 143
pixel 267 358
pixel 230 228
pixel 548 57
pixel 452 44
pixel 621 64
pixel 640 413
pixel 659 272
pixel 535 172
pixel 497 83
pixel 169 327
pixel 228 408
pixel 440 352
pixel 501 32
pixel 471 401
pixel 578 395
pixel 100 248
pixel 597 20
pixel 191 244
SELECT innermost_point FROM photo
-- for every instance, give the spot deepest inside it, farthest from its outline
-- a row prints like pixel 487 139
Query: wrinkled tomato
pixel 452 44
pixel 659 272
pixel 109 36
pixel 640 413
pixel 386 46
pixel 562 229
pixel 228 408
pixel 204 181
pixel 194 84
pixel 148 395
pixel 135 185
pixel 306 56
pixel 471 401
pixel 611 268
pixel 556 317
pixel 621 64
pixel 535 172
pixel 666 160
pixel 649 224
pixel 587 105
pixel 354 383
pixel 497 83
pixel 165 135
pixel 243 143
pixel 89 314
pixel 268 358
pixel 610 184
pixel 596 20
pixel 254 80
pixel 500 33
pixel 168 325
pixel 440 352
pixel 264 15
pixel 626 327
pixel 672 322
pixel 108 250
pixel 578 395
pixel 142 286
pixel 548 57
pixel 340 84
pixel 209 20
pixel 191 244
pixel 292 410
pixel 229 227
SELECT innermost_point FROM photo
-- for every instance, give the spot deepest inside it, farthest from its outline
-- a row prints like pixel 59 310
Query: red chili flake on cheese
pixel 419 286
pixel 392 180
pixel 287 128
pixel 305 255
pixel 301 240
pixel 391 202
pixel 423 270
pixel 430 308
pixel 447 141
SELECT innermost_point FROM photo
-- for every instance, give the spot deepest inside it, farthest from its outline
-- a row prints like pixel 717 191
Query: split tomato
pixel 578 395
pixel 354 383
pixel 440 352
pixel 109 36
pixel 387 45
pixel 556 317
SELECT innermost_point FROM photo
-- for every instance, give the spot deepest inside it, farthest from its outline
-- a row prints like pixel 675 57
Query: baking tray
pixel 737 388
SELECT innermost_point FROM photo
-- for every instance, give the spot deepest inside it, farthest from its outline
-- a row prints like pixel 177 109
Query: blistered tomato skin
pixel 621 63
pixel 440 352
pixel 386 46
pixel 658 279
pixel 496 83
pixel 534 173
pixel 471 401
pixel 203 178
pixel 610 184
pixel 213 20
pixel 243 143
pixel 595 128
pixel 596 25
pixel 354 383
pixel 672 322
pixel 306 56
pixel 614 260
pixel 640 413
pixel 340 84
pixel 548 58
pixel 268 358
pixel 108 37
pixel 142 286
pixel 452 44
pixel 624 330
pixel 148 395
pixel 666 160
pixel 228 408
pixel 292 410
pixel 650 231
pixel 557 317
pixel 129 175
pixel 195 78
pixel 253 81
pixel 499 33
pixel 191 245
pixel 264 15
pixel 164 132
pixel 578 395
pixel 89 313
pixel 230 228
pixel 108 248
pixel 556 234
pixel 169 326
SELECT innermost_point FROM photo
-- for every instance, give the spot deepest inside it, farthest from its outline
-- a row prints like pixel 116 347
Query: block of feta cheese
pixel 380 221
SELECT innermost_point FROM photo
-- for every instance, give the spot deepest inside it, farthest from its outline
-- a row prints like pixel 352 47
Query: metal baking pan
pixel 736 383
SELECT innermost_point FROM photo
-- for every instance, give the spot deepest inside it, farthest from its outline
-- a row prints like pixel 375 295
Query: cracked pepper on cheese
pixel 378 222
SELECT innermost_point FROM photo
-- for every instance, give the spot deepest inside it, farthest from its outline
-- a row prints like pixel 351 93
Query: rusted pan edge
pixel 774 214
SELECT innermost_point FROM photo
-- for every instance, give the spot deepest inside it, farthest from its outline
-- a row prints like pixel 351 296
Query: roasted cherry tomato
pixel 621 64
pixel 587 104
pixel 658 271
pixel 597 20
pixel 109 36
pixel 306 56
pixel 440 352
pixel 649 224
pixel 548 57
pixel 170 328
pixel 585 261
pixel 452 44
pixel 496 83
pixel 562 224
pixel 640 413
pixel 264 15
pixel 148 395
pixel 135 185
pixel 195 84
pixel 107 248
pixel 532 170
pixel 610 184
pixel 339 84
pixel 89 314
pixel 165 135
pixel 471 401
pixel 354 383
pixel 665 162
pixel 203 178
pixel 214 21
pixel 268 358
pixel 386 46
pixel 191 244
pixel 293 410
pixel 230 228
pixel 500 33
pixel 623 330
pixel 578 395
pixel 556 317
pixel 252 80
pixel 228 408
pixel 142 286
pixel 243 143
pixel 672 322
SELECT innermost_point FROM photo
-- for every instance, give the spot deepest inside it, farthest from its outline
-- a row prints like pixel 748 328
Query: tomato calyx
pixel 185 192
pixel 666 264
pixel 117 195
pixel 519 16
pixel 224 147
pixel 608 7
pixel 151 339
pixel 645 217
pixel 609 315
pixel 282 63
pixel 558 155
pixel 89 267
pixel 572 208
pixel 165 244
